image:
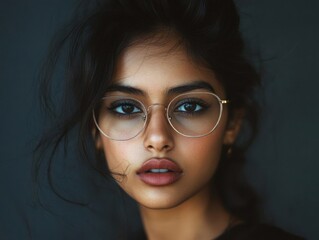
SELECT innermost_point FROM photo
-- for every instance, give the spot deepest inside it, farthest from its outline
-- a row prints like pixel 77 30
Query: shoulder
pixel 257 232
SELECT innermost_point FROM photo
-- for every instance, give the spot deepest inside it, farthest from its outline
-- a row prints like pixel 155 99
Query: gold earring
pixel 229 152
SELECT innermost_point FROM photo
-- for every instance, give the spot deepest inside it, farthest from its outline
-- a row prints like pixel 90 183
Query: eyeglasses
pixel 194 115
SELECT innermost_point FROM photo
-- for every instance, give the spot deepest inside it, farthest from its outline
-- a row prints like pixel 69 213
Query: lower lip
pixel 160 179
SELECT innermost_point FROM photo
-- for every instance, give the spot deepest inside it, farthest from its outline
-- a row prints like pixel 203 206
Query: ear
pixel 97 139
pixel 233 126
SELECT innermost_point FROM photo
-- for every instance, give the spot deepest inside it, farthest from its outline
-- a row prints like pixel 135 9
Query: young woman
pixel 163 91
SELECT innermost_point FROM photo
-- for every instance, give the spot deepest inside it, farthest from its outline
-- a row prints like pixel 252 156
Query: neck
pixel 200 217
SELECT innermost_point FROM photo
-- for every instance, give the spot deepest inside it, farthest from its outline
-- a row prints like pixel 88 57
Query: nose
pixel 158 133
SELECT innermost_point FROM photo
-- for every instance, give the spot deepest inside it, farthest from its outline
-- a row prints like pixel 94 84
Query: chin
pixel 160 200
pixel 159 205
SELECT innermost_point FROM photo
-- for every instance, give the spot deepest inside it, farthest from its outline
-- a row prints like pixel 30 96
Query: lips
pixel 159 172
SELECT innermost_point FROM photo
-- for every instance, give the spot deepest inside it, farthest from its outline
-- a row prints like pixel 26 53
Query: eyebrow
pixel 125 89
pixel 199 84
pixel 195 85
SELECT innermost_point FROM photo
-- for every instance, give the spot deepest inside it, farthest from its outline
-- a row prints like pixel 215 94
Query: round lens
pixel 195 114
pixel 120 118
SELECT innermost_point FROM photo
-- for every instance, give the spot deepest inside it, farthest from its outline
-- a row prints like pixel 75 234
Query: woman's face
pixel 153 71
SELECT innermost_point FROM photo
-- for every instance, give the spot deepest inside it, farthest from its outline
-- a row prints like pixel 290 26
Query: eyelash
pixel 125 102
pixel 198 102
pixel 137 109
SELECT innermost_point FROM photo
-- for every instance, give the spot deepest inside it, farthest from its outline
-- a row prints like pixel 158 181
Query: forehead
pixel 156 68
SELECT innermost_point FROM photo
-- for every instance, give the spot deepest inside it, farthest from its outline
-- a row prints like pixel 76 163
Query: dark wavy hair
pixel 90 46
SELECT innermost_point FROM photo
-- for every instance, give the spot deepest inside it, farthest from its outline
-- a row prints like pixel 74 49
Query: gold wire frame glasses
pixel 195 114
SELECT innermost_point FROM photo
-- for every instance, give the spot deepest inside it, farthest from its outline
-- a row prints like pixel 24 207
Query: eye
pixel 125 107
pixel 190 106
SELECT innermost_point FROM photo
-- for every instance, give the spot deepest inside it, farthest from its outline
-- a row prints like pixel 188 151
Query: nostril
pixel 166 147
pixel 159 148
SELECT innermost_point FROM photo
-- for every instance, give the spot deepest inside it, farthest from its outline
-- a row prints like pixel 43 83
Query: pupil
pixel 128 108
pixel 190 107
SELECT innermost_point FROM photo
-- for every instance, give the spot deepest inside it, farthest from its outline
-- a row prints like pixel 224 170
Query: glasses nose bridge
pixel 155 105
pixel 149 113
pixel 148 109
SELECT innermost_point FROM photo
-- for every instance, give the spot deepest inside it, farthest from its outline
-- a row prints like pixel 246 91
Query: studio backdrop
pixel 282 39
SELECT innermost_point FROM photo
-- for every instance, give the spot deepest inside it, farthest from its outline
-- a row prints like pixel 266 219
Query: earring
pixel 229 152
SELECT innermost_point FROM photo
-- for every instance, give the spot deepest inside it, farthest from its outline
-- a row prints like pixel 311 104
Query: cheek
pixel 202 155
pixel 116 157
pixel 205 147
pixel 121 156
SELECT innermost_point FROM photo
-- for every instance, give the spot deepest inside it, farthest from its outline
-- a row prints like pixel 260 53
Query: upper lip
pixel 159 163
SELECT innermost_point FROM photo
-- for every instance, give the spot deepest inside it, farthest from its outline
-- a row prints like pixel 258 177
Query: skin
pixel 186 209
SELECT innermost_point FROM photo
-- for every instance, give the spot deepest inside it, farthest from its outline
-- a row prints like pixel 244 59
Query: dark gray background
pixel 282 38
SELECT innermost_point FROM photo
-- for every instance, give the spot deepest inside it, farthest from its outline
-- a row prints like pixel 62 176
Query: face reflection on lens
pixel 191 115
